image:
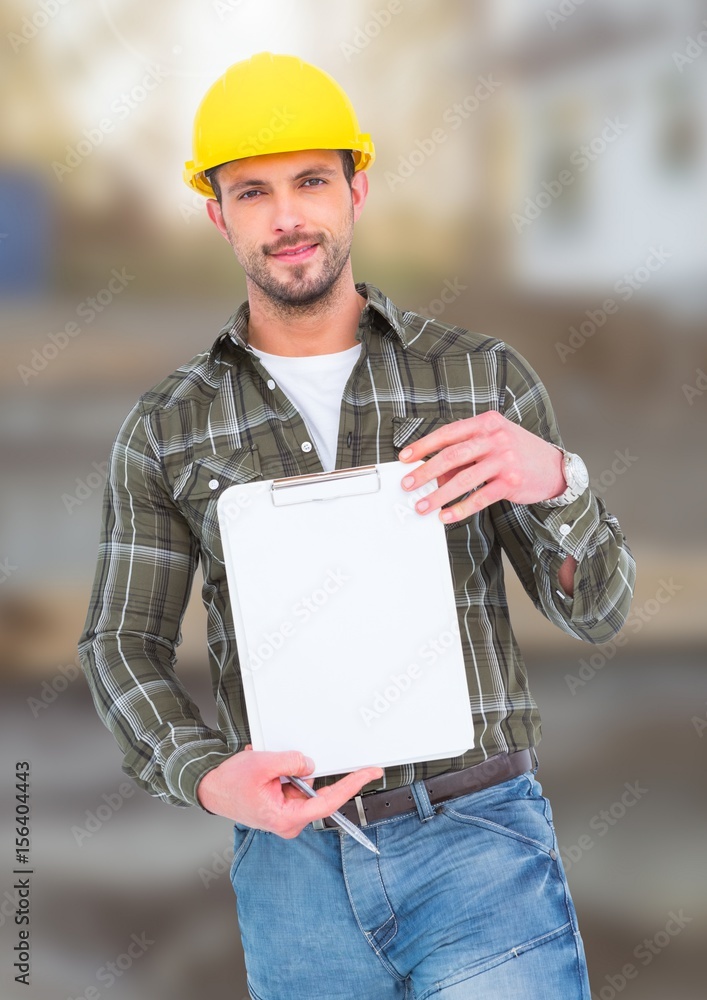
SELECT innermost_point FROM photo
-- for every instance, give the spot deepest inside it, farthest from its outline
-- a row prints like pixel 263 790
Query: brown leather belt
pixel 365 809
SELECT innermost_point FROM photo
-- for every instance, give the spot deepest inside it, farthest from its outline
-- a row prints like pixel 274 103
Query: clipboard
pixel 345 619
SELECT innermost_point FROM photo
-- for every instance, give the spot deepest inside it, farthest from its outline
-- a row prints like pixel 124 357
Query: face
pixel 289 218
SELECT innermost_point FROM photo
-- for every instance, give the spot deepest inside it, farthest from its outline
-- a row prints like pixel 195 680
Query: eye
pixel 315 181
pixel 246 195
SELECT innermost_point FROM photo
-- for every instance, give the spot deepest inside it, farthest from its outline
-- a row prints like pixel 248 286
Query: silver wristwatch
pixel 576 477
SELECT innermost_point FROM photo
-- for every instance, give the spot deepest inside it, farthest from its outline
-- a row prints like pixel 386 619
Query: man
pixel 468 897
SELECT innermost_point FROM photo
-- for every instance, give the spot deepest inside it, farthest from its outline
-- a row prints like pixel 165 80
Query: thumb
pixel 292 762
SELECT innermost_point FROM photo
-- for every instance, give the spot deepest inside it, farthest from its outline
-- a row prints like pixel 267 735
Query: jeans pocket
pixel 242 839
pixel 519 812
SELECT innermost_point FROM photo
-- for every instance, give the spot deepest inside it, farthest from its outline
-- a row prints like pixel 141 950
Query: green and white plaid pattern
pixel 216 421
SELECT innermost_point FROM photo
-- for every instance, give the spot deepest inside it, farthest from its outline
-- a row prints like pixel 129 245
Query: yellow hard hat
pixel 272 104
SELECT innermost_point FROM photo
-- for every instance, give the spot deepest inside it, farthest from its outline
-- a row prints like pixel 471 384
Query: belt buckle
pixel 318 824
pixel 360 810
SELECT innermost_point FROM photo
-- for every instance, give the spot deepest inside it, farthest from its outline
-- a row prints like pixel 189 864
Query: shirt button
pixel 213 484
pixel 565 529
pixel 553 855
pixel 271 384
pixel 306 446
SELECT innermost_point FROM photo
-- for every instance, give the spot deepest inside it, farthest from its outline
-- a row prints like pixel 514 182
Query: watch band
pixel 576 483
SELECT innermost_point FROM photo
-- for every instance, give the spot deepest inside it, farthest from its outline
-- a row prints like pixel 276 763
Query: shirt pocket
pixel 197 487
pixel 412 428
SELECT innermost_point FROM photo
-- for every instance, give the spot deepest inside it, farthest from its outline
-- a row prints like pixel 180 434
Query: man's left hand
pixel 510 462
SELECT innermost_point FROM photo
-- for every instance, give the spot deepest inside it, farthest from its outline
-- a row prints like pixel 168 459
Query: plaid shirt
pixel 221 419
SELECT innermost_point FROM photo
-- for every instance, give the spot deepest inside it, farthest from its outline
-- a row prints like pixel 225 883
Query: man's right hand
pixel 246 788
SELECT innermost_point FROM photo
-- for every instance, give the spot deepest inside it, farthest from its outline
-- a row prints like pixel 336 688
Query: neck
pixel 326 326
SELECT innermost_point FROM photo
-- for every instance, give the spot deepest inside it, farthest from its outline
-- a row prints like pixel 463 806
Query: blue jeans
pixel 468 899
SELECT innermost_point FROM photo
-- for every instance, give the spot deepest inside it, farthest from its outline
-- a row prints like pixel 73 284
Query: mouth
pixel 296 254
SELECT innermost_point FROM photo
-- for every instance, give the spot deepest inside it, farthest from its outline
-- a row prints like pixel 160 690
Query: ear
pixel 359 192
pixel 214 212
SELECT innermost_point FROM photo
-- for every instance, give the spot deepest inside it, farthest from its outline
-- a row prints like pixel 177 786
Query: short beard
pixel 296 295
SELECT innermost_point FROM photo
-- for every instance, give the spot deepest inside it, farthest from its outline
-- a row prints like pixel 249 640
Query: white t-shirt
pixel 315 385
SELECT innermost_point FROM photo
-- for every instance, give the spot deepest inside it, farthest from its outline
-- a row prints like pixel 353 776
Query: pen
pixel 338 817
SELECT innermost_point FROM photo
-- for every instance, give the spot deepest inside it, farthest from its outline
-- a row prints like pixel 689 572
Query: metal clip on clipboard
pixel 325 485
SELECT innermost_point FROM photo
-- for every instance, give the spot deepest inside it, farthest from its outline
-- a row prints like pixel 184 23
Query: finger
pixel 457 485
pixel 292 794
pixel 331 797
pixel 280 763
pixel 443 436
pixel 480 499
pixel 291 791
pixel 444 478
pixel 448 462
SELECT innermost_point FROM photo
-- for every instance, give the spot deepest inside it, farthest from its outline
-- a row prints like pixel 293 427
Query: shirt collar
pixel 387 309
pixel 233 335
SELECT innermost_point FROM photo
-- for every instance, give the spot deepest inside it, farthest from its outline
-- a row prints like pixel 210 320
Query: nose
pixel 287 214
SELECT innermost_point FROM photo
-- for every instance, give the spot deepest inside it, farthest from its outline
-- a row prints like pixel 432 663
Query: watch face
pixel 577 474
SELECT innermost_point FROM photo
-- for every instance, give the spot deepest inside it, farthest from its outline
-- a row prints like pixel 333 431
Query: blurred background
pixel 540 179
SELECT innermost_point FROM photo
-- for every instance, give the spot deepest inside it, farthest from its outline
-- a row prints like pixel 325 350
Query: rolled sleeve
pixel 538 539
pixel 569 529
